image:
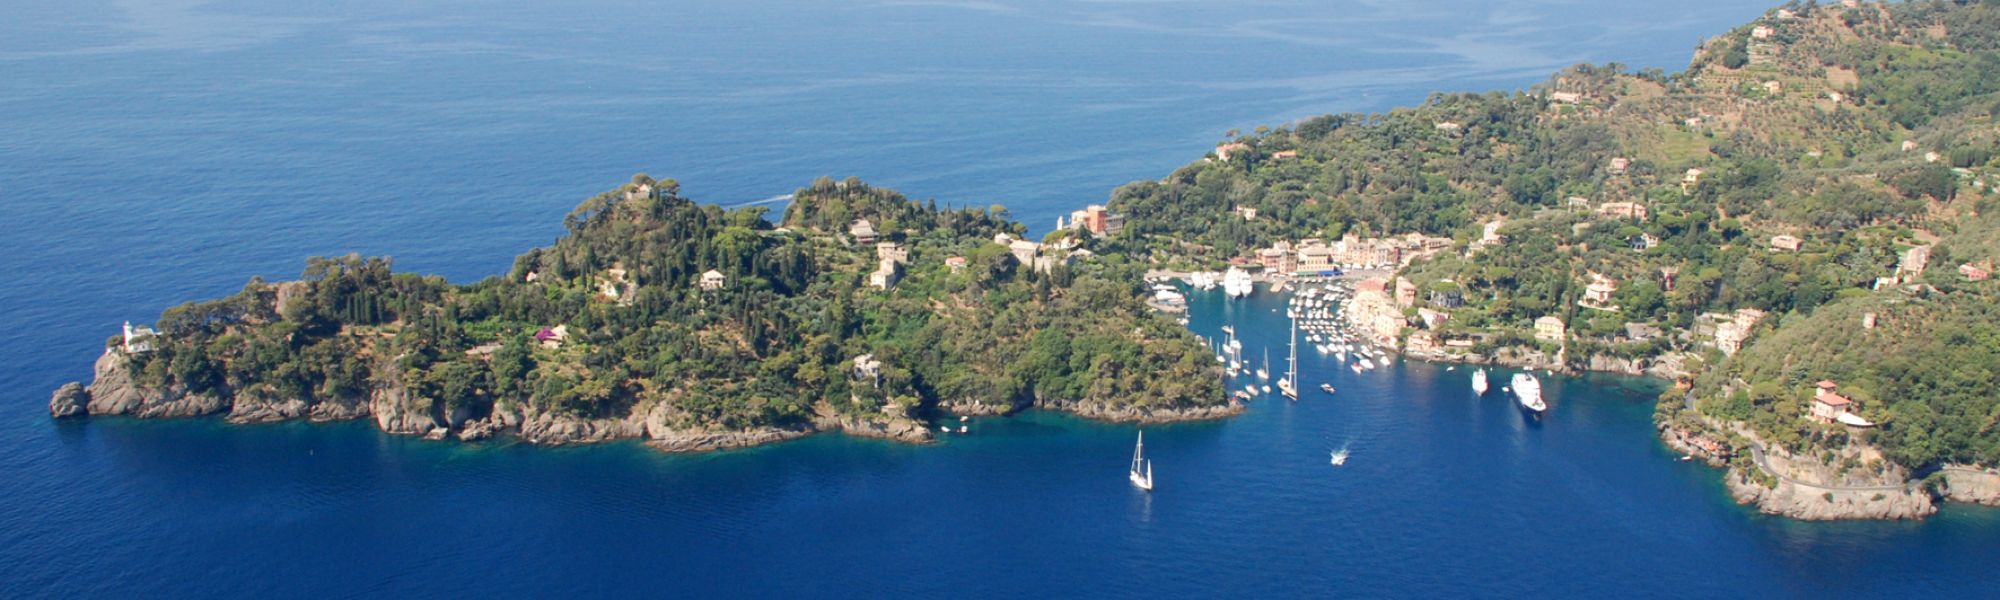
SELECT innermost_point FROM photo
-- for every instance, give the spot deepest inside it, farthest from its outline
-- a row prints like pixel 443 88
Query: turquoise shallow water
pixel 164 151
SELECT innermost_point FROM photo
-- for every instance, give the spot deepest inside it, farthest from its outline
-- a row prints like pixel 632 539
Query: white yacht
pixel 1237 283
pixel 1479 383
pixel 1528 391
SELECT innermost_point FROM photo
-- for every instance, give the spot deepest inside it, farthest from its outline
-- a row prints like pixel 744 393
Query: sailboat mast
pixel 1293 360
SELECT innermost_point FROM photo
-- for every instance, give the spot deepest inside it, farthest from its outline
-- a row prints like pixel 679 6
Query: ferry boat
pixel 1479 383
pixel 1528 391
pixel 1142 469
pixel 1237 283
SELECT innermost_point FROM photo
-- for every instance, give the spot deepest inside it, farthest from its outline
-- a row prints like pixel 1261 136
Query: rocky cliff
pixel 1142 415
pixel 395 409
pixel 1851 483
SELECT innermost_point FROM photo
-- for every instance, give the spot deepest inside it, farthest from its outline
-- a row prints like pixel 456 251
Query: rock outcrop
pixel 397 409
pixel 1142 414
pixel 113 392
pixel 1854 482
pixel 69 401
pixel 1814 503
pixel 882 425
pixel 1971 484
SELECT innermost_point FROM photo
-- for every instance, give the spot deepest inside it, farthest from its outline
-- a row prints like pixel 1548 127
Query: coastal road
pixel 1757 456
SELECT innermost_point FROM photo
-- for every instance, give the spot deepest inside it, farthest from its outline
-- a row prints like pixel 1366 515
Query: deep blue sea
pixel 157 151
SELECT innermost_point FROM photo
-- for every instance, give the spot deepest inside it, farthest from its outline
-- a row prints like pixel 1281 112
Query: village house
pixel 1640 332
pixel 1448 127
pixel 613 284
pixel 1773 87
pixel 1278 258
pixel 1422 342
pixel 1973 272
pixel 1098 220
pixel 1762 32
pixel 552 337
pixel 1643 242
pixel 886 274
pixel 1433 319
pixel 138 338
pixel 1620 165
pixel 1024 251
pixel 1222 151
pixel 1933 156
pixel 1598 293
pixel 1316 257
pixel 1249 213
pixel 862 231
pixel 1689 180
pixel 955 263
pixel 1868 320
pixel 1577 202
pixel 1729 331
pixel 640 191
pixel 1285 155
pixel 1406 293
pixel 1375 312
pixel 1447 298
pixel 712 280
pixel 1622 210
pixel 867 369
pixel 892 251
pixel 1909 145
pixel 1566 97
pixel 1489 234
pixel 1913 262
pixel 1828 405
pixel 1785 243
pixel 1550 329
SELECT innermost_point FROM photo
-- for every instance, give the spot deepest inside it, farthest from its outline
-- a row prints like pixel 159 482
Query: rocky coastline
pixel 1799 489
pixel 113 392
pixel 1816 488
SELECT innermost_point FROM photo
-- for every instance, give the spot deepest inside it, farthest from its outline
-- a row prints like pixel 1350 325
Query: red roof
pixel 1826 384
pixel 1831 399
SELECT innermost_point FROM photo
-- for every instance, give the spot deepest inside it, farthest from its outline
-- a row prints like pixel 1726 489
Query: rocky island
pixel 688 326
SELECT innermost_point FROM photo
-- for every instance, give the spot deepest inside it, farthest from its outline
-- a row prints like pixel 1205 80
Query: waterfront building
pixel 1550 329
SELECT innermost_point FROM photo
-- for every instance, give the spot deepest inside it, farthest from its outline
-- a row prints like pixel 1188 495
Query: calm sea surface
pixel 153 152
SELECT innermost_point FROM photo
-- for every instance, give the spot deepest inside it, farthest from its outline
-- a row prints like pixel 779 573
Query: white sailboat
pixel 1142 469
pixel 1289 386
pixel 1265 373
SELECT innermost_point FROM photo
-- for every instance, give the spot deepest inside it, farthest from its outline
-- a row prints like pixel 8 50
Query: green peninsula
pixel 687 325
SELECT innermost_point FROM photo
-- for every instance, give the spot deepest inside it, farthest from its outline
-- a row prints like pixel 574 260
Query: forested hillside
pixel 1780 183
pixel 658 313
